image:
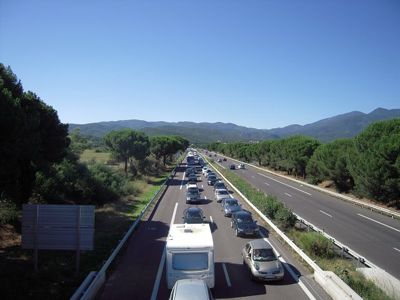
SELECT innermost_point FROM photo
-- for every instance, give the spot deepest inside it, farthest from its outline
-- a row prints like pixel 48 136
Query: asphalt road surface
pixel 372 235
pixel 140 272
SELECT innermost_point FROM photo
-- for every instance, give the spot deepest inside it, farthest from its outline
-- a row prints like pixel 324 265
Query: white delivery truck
pixel 190 253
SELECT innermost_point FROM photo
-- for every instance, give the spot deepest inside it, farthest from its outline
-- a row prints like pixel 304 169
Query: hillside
pixel 341 126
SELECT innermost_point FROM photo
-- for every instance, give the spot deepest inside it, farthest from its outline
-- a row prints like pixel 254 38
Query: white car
pixel 221 194
pixel 190 289
pixel 241 166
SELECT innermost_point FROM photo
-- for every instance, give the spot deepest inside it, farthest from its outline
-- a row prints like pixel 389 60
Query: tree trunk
pixel 126 167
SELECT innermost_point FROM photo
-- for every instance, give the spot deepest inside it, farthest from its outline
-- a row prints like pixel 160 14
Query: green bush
pixel 8 212
pixel 316 245
pixel 286 219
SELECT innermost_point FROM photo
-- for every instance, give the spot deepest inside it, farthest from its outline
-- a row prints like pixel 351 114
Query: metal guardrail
pixel 332 284
pixel 95 280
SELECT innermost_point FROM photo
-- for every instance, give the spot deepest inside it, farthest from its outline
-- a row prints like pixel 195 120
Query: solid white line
pixel 266 183
pixel 379 222
pixel 156 285
pixel 398 250
pixel 288 185
pixel 325 213
pixel 173 214
pixel 288 195
pixel 228 281
pixel 158 277
pixel 183 178
pixel 211 219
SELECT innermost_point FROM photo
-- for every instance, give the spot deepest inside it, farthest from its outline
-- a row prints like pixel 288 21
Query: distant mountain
pixel 341 126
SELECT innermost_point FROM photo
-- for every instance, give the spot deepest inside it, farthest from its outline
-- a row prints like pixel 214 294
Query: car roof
pixel 242 213
pixel 194 209
pixel 191 289
pixel 260 244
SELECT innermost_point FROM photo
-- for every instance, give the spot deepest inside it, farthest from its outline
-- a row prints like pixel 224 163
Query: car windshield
pixel 231 203
pixel 211 177
pixel 263 255
pixel 223 192
pixel 245 219
pixel 194 214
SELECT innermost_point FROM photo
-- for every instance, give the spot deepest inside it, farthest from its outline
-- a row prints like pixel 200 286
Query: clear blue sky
pixel 260 64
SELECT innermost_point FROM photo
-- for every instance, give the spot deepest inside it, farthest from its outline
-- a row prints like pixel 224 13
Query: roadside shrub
pixel 107 185
pixel 316 244
pixel 272 207
pixel 8 212
pixel 286 219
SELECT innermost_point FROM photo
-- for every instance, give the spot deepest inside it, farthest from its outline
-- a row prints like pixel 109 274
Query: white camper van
pixel 190 253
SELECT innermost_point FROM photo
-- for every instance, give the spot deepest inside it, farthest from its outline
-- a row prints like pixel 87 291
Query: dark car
pixel 192 195
pixel 224 159
pixel 189 171
pixel 192 178
pixel 219 185
pixel 230 206
pixel 211 179
pixel 193 215
pixel 232 167
pixel 243 223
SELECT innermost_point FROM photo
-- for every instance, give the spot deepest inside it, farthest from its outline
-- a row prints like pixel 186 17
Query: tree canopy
pixel 31 137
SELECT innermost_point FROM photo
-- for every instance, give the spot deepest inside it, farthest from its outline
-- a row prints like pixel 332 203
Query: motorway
pixel 374 236
pixel 140 274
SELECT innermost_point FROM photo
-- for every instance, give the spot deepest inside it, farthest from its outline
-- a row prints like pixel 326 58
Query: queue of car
pixel 258 255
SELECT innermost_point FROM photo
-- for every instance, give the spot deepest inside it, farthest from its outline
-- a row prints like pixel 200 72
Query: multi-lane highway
pixel 375 236
pixel 140 272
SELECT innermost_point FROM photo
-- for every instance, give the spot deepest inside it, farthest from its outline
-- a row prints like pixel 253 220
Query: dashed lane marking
pixel 288 185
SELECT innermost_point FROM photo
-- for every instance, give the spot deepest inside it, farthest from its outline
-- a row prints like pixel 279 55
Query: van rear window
pixel 190 261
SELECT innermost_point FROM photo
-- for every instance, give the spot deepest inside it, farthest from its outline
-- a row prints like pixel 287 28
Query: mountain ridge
pixel 345 125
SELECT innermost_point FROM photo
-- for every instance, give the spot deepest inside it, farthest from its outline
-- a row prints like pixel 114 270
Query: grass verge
pixel 313 244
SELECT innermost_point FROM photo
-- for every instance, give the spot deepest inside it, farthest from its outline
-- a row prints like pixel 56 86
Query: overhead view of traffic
pixel 212 236
pixel 193 150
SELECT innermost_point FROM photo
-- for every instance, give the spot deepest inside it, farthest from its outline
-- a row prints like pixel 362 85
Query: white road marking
pixel 211 219
pixel 266 183
pixel 202 186
pixel 228 281
pixel 288 185
pixel 288 195
pixel 156 285
pixel 325 213
pixel 158 277
pixel 173 214
pixel 220 165
pixel 183 178
pixel 383 224
pixel 398 250
pixel 205 197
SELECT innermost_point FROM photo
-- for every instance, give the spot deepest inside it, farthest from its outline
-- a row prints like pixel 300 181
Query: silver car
pixel 230 206
pixel 262 261
pixel 190 289
pixel 221 194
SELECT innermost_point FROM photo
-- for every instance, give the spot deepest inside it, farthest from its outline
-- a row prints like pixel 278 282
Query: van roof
pixel 186 236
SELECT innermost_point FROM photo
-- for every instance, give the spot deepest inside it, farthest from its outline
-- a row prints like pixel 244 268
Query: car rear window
pixel 190 261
